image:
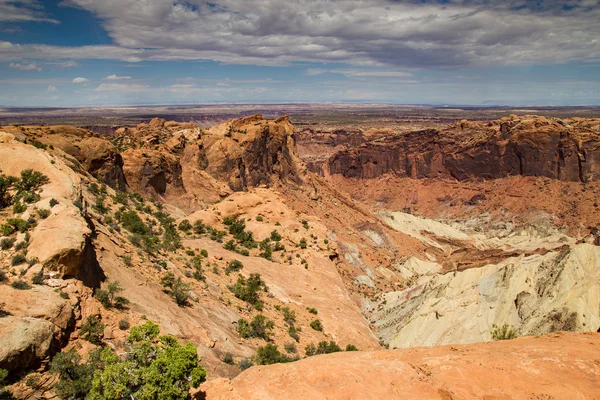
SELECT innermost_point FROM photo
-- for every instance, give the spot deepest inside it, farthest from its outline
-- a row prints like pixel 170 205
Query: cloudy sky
pixel 479 52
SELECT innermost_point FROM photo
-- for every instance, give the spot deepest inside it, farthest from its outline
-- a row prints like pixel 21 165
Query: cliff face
pixel 530 146
pixel 170 158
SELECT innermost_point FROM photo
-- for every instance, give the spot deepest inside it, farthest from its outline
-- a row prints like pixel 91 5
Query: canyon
pixel 412 246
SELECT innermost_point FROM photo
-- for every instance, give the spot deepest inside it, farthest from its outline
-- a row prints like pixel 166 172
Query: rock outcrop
pixel 568 150
pixel 560 366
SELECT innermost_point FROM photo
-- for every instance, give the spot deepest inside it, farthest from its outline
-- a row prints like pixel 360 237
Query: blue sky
pixel 469 52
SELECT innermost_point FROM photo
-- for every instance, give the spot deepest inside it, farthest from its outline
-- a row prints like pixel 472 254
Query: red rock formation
pixel 530 146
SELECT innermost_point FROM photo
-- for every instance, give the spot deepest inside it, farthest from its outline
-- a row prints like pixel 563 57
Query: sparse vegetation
pixel 92 330
pixel 248 289
pixel 20 285
pixel 18 259
pixel 7 243
pixel 233 266
pixel 260 327
pixel 323 347
pixel 316 325
pixel 180 291
pixel 123 324
pixel 43 213
pixel 504 332
pixel 108 297
pixel 269 354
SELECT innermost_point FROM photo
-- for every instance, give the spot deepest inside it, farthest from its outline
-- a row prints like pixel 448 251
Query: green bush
pixel 185 226
pixel 351 347
pixel 43 213
pixel 322 348
pixel 20 285
pixel 121 198
pixel 233 266
pixel 31 180
pixel 108 297
pixel 123 324
pixel 260 327
pixel 504 332
pixel 13 225
pixel 92 330
pixel 275 236
pixel 53 202
pixel 316 325
pixel 289 316
pixel 313 310
pixel 228 358
pixel 75 377
pixel 133 223
pixel 290 348
pixel 177 289
pixel 302 243
pixel 204 253
pixel 6 184
pixel 7 243
pixel 293 332
pixel 244 364
pixel 248 289
pixel 18 207
pixel 18 259
pixel 199 228
pixel 266 250
pixel 269 354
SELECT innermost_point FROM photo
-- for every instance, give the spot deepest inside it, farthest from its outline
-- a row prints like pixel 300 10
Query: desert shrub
pixel 260 327
pixel 313 310
pixel 123 325
pixel 199 228
pixel 63 295
pixel 204 253
pixel 248 289
pixel 323 347
pixel 305 224
pixel 228 358
pixel 269 354
pixel 127 260
pixel 92 330
pixel 43 213
pixel 94 188
pixel 18 259
pixel 290 348
pixel 3 276
pixel 244 364
pixel 53 202
pixel 152 367
pixel 31 180
pixel 185 226
pixel 351 347
pixel 275 236
pixel 133 223
pixel 75 377
pixel 7 243
pixel 316 325
pixel 171 239
pixel 179 291
pixel 121 198
pixel 233 266
pixel 21 246
pixel 504 332
pixel 289 316
pixel 6 184
pixel 99 205
pixel 266 250
pixel 259 218
pixel 20 285
pixel 108 297
pixel 13 225
pixel 19 207
pixel 302 243
pixel 293 332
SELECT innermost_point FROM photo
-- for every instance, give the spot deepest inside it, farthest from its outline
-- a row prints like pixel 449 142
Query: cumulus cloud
pixel 114 77
pixel 52 89
pixel 67 64
pixel 358 73
pixel 80 80
pixel 384 33
pixel 25 67
pixel 23 11
pixel 363 32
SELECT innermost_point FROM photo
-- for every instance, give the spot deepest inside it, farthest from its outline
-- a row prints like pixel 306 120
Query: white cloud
pixel 399 34
pixel 80 80
pixel 114 77
pixel 359 73
pixel 23 11
pixel 121 87
pixel 52 89
pixel 25 67
pixel 67 64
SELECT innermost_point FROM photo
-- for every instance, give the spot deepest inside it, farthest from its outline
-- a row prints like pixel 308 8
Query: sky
pixel 69 53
